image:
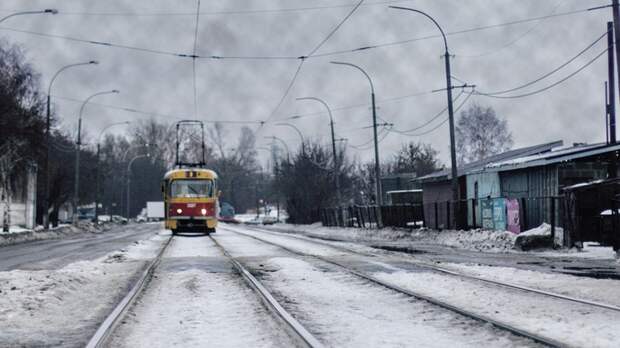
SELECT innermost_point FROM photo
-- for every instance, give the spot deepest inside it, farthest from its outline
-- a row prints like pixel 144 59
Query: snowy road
pixel 55 254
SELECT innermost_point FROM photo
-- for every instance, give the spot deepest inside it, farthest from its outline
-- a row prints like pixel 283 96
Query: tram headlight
pixel 203 211
pixel 179 211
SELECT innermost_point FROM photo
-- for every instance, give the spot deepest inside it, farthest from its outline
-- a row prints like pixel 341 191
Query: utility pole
pixel 611 107
pixel 616 12
pixel 454 170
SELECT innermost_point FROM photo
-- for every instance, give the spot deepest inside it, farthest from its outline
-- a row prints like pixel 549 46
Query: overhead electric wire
pixel 547 87
pixel 429 121
pixel 513 41
pixel 154 114
pixel 560 67
pixel 194 59
pixel 441 123
pixel 221 12
pixel 291 57
pixel 302 60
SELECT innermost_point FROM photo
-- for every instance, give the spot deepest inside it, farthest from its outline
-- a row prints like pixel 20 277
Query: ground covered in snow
pixel 473 240
pixel 196 300
pixel 62 307
pixel 20 235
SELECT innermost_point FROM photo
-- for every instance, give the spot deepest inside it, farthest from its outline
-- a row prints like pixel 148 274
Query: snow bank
pixel 479 240
pixel 62 307
pixel 19 235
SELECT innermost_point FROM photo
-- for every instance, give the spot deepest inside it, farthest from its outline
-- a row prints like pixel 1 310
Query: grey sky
pixel 250 89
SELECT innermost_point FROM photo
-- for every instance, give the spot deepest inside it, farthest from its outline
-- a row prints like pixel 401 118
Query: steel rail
pixel 445 270
pixel 482 318
pixel 449 272
pixel 101 336
pixel 295 329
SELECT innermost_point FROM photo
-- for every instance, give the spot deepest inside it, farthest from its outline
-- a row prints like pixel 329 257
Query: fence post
pixel 524 227
pixel 437 216
pixel 473 213
pixel 552 207
pixel 448 215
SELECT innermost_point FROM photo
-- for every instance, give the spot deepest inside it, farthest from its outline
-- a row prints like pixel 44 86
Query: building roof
pixel 557 154
pixel 445 174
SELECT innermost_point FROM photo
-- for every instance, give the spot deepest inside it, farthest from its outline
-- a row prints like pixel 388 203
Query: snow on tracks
pixel 194 301
pixel 346 311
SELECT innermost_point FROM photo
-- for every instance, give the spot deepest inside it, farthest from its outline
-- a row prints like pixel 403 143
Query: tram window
pixel 191 188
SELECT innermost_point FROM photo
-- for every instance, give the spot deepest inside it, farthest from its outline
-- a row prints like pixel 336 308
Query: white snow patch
pixel 344 311
pixel 579 325
pixel 599 290
pixel 194 308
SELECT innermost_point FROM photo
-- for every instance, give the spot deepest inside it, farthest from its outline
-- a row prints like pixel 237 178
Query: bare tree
pixel 416 158
pixel 480 134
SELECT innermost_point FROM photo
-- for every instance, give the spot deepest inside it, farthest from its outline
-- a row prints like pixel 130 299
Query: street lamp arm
pixel 108 127
pixel 114 91
pixel 329 111
pixel 133 159
pixel 445 41
pixel 50 11
pixel 301 136
pixel 372 87
pixel 49 89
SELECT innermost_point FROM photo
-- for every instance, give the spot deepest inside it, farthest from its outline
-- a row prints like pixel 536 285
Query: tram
pixel 190 192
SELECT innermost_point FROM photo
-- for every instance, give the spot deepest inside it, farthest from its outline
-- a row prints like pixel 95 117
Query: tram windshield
pixel 191 188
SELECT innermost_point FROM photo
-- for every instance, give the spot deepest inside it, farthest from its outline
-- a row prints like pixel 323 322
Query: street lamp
pixel 78 143
pixel 455 182
pixel 378 194
pixel 288 152
pixel 129 182
pixel 46 202
pixel 301 136
pixel 97 166
pixel 336 162
pixel 46 11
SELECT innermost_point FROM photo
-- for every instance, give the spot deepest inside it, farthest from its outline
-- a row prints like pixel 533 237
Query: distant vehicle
pixel 155 211
pixel 118 219
pixel 269 220
pixel 86 213
pixel 227 213
pixel 254 221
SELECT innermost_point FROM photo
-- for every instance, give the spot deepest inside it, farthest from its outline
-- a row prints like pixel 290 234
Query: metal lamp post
pixel 288 152
pixel 129 182
pixel 455 182
pixel 46 202
pixel 97 166
pixel 301 136
pixel 378 192
pixel 336 162
pixel 76 193
pixel 46 11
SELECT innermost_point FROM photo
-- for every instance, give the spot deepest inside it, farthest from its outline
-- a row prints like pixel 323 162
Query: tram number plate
pixel 191 205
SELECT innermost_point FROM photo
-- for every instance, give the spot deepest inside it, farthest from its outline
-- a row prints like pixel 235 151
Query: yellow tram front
pixel 191 200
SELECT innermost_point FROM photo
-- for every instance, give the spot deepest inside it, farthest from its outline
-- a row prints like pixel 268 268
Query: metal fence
pixel 523 213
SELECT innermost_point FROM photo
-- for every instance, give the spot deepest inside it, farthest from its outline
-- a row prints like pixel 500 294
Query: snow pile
pixel 19 235
pixel 63 307
pixel 479 240
pixel 539 237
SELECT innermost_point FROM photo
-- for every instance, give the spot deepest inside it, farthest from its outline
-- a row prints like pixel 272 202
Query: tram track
pixel 446 271
pixel 105 330
pixel 295 330
pixel 501 325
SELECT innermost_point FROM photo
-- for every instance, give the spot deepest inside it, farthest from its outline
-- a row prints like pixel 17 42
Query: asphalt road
pixel 55 254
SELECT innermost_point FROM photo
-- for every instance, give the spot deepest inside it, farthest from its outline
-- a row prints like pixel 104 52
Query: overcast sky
pixel 250 89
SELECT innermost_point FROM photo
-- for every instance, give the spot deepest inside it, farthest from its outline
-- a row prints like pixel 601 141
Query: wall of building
pixel 22 207
pixel 487 185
